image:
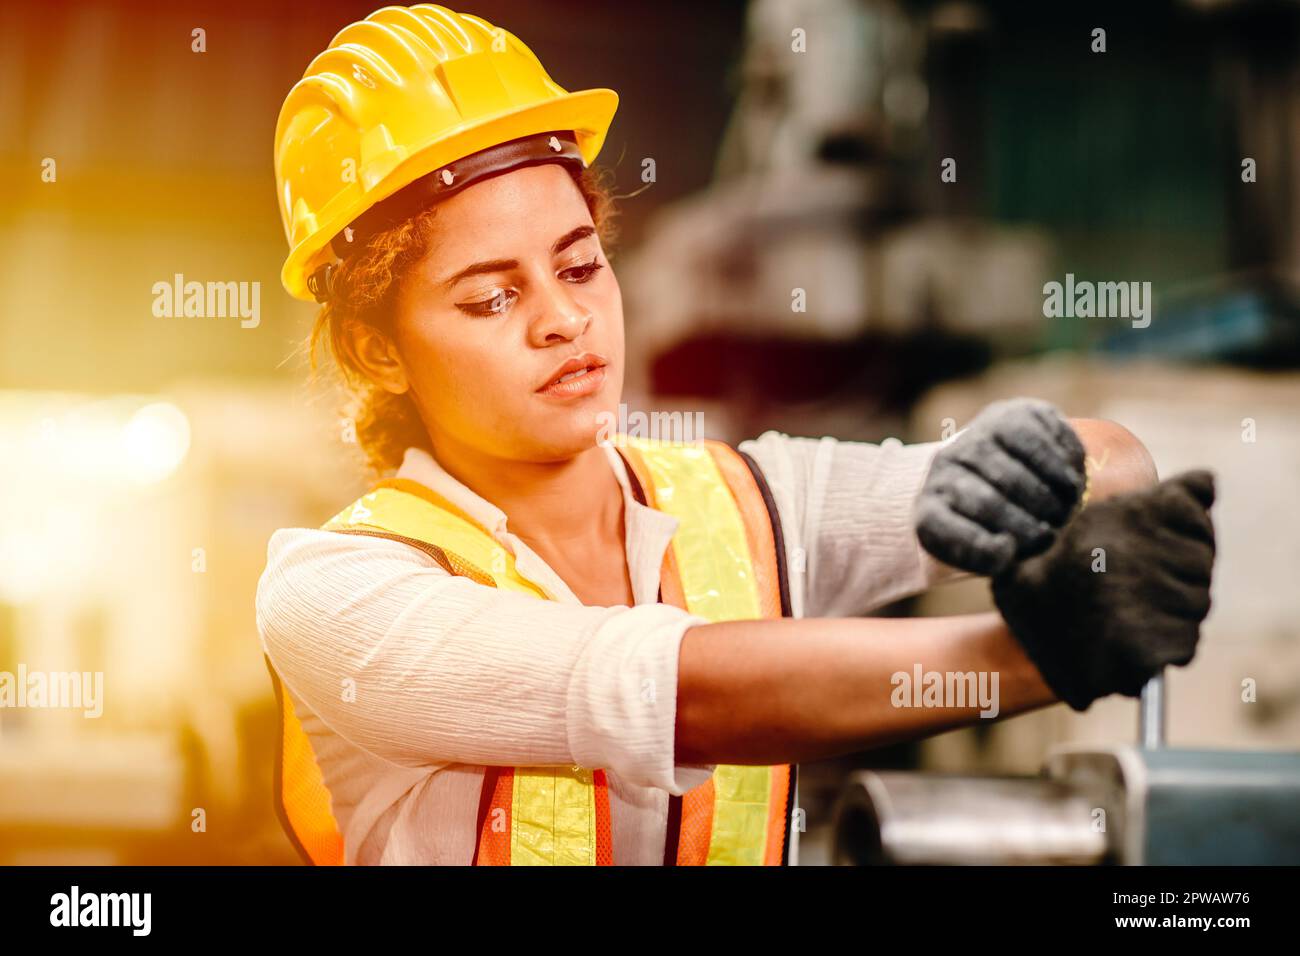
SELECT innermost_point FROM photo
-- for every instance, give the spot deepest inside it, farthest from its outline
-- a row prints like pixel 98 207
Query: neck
pixel 548 504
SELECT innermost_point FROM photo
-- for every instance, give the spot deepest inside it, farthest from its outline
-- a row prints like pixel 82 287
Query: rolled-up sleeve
pixel 847 510
pixel 424 669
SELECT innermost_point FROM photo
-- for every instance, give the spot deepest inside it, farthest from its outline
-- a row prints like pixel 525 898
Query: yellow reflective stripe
pixel 400 512
pixel 740 810
pixel 710 544
pixel 553 809
pixel 553 817
pixel 718 583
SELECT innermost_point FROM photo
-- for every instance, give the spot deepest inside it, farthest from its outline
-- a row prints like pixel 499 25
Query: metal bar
pixel 1151 714
pixel 900 818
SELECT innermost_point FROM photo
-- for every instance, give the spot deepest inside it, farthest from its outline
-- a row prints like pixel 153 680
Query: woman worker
pixel 534 645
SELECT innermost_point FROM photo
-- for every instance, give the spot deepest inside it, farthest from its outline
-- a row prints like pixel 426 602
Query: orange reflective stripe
pixel 304 802
pixel 495 823
pixel 697 825
pixel 643 476
pixel 758 527
pixel 604 837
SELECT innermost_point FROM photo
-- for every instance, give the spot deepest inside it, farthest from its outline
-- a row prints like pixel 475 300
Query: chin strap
pixel 320 283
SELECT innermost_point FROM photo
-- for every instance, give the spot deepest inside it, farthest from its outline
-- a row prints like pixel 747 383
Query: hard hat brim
pixel 588 113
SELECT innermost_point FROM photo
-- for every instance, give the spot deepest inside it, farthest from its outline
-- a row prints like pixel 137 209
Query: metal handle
pixel 1151 714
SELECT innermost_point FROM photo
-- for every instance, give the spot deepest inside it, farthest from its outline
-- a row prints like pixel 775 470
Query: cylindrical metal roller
pixel 908 818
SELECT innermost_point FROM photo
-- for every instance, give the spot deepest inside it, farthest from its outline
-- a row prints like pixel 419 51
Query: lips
pixel 576 376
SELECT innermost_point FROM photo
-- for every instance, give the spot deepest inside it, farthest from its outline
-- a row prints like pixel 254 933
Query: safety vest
pixel 725 563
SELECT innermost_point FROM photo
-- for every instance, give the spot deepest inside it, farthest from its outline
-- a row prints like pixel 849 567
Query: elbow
pixel 275 629
pixel 266 611
pixel 278 619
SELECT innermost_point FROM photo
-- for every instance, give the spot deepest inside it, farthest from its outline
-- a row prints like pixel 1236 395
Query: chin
pixel 565 436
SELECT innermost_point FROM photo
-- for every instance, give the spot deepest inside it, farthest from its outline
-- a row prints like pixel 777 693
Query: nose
pixel 560 317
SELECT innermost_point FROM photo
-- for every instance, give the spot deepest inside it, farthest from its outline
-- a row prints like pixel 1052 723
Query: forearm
pixel 753 692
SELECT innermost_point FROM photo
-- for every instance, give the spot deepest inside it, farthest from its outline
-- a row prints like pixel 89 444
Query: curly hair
pixel 365 288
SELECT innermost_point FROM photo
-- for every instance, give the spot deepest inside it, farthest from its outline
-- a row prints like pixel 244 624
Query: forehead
pixel 509 213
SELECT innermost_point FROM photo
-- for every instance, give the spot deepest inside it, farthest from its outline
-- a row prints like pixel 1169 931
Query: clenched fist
pixel 1120 594
pixel 1003 488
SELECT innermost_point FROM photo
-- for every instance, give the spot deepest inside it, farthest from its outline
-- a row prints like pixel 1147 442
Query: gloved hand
pixel 1002 488
pixel 1091 632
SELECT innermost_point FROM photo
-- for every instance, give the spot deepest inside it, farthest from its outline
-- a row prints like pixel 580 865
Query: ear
pixel 377 356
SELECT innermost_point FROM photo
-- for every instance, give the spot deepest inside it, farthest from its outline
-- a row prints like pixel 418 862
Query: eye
pixel 497 304
pixel 584 272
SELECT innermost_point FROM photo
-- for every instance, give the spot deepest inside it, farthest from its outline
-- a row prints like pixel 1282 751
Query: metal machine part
pixel 1151 713
pixel 1143 805
pixel 893 817
pixel 1171 806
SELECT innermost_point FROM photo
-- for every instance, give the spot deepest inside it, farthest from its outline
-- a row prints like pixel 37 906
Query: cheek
pixel 608 303
pixel 456 368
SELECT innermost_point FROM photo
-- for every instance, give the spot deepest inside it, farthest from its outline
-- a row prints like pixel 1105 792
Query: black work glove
pixel 1091 632
pixel 1002 488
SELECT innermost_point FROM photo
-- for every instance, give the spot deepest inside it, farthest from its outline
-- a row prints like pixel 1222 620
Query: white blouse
pixel 410 681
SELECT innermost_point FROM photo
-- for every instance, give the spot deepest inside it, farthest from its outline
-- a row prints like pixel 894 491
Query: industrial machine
pixel 1129 805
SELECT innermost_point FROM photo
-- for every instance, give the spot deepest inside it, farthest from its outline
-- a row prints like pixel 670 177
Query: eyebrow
pixel 501 265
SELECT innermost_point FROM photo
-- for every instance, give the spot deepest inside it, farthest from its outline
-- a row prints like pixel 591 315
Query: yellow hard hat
pixel 419 100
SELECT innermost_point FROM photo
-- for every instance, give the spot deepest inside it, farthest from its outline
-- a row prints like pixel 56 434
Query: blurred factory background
pixel 798 262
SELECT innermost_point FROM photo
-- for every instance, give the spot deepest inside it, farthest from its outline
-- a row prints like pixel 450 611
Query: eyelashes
pixel 493 306
pixel 588 270
pixel 504 298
